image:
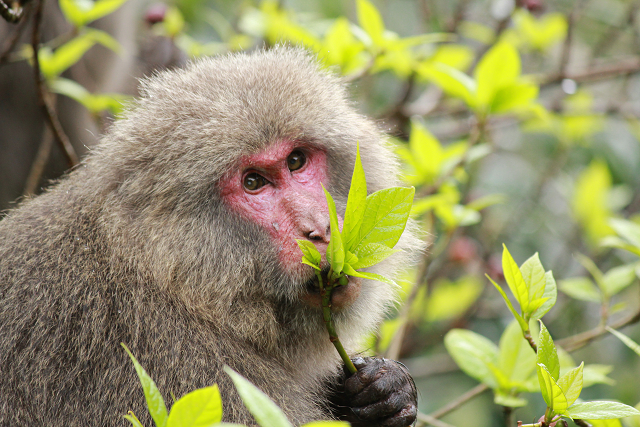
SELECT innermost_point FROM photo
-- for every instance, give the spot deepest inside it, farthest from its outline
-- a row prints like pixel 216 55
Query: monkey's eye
pixel 296 160
pixel 254 181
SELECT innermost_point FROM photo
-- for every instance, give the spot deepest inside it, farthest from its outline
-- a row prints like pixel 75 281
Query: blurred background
pixel 517 122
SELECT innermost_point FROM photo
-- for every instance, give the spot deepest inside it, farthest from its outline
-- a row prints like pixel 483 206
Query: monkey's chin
pixel 343 296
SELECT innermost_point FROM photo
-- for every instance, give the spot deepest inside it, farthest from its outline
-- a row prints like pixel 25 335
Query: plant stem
pixel 325 292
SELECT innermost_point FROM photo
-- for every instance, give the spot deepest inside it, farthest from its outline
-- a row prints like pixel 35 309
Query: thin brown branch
pixel 480 388
pixel 624 67
pixel 424 419
pixel 39 163
pixel 43 95
pixel 11 42
pixel 577 341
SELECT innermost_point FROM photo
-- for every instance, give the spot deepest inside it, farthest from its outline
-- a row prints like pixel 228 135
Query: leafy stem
pixel 325 293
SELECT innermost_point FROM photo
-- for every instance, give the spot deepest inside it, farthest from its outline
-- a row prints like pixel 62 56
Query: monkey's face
pixel 280 189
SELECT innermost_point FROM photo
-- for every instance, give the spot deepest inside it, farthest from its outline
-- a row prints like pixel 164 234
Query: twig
pixel 629 66
pixel 425 419
pixel 13 40
pixel 577 341
pixel 451 406
pixel 43 98
pixel 39 163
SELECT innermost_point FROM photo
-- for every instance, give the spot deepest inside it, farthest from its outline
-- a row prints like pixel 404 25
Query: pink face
pixel 279 189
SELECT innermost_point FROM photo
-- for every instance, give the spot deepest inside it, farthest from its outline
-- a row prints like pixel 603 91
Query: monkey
pixel 176 236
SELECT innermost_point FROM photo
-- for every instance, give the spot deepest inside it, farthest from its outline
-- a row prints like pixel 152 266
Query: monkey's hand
pixel 382 393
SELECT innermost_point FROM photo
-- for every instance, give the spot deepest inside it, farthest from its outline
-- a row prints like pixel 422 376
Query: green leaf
pixel 53 64
pixel 580 288
pixel 80 16
pixel 498 68
pixel 571 384
pixel 366 275
pixel 357 199
pixel 516 96
pixel 534 276
pixel 515 280
pixel 385 216
pixel 550 295
pixel 427 153
pixel 155 402
pixel 474 354
pixel 618 278
pixel 518 317
pixel 131 417
pixel 551 392
pixel 547 353
pixel 452 81
pixel 199 408
pixel 504 399
pixel 371 21
pixel 630 231
pixel 596 374
pixel 449 300
pixel 601 410
pixel 626 340
pixel 310 252
pixel 371 254
pixel 266 413
pixel 516 360
pixel 335 250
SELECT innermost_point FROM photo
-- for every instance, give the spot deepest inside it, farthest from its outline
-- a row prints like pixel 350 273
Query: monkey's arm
pixel 382 393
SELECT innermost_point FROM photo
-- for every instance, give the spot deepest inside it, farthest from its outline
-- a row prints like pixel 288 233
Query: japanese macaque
pixel 177 236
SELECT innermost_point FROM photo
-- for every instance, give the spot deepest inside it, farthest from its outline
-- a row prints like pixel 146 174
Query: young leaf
pixel 523 325
pixel 474 354
pixel 551 392
pixel 266 413
pixel 131 417
pixel 581 288
pixel 371 254
pixel 547 353
pixel 199 408
pixel 357 198
pixel 601 410
pixel 385 216
pixel 513 276
pixel 155 402
pixel 571 384
pixel 533 275
pixel 366 275
pixel 335 250
pixel 618 278
pixel 550 295
pixel 498 68
pixel 516 360
pixel 310 252
pixel 371 21
pixel 630 231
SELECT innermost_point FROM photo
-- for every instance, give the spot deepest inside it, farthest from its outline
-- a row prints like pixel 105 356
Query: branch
pixel 43 96
pixel 13 40
pixel 480 388
pixel 624 67
pixel 577 341
pixel 425 419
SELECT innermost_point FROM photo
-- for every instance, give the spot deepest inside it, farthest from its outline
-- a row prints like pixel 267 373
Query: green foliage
pixel 534 289
pixel 368 234
pixel 82 12
pixel 199 408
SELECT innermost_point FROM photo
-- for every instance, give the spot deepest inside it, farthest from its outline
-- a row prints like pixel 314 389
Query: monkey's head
pixel 217 170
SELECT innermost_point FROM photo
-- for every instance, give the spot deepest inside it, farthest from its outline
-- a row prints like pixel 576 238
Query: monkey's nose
pixel 320 236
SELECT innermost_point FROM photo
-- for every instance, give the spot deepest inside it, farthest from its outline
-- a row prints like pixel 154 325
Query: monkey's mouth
pixel 342 296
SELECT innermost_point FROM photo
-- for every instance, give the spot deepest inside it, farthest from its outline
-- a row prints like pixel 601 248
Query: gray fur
pixel 135 246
